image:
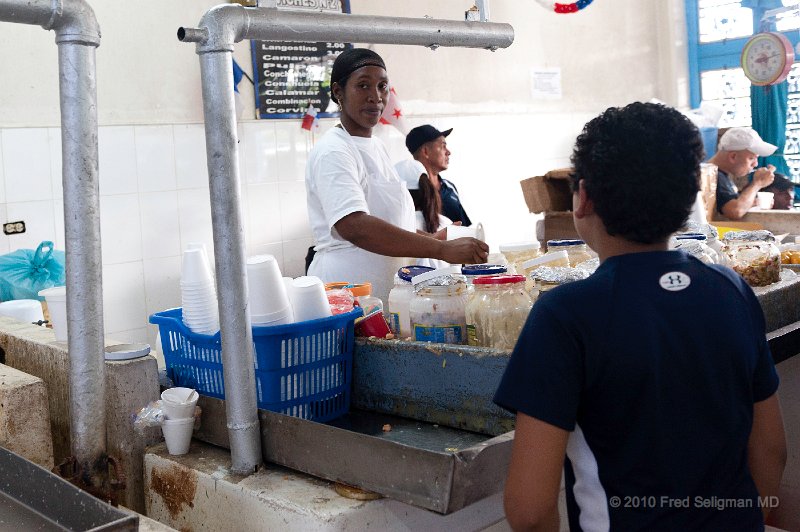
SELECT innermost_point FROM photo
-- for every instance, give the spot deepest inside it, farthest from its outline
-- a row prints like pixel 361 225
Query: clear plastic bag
pixel 24 272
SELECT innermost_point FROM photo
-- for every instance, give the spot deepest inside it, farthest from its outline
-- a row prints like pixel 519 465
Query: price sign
pixel 291 75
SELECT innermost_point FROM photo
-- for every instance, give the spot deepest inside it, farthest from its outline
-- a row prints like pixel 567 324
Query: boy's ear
pixel 581 204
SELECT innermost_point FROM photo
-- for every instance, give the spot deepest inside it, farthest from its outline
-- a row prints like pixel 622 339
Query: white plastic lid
pixel 544 259
pixel 520 246
pixel 433 274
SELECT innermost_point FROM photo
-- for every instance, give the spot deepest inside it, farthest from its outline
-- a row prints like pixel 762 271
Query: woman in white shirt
pixel 361 214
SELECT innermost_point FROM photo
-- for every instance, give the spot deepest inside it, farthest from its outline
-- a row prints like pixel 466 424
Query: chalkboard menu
pixel 291 75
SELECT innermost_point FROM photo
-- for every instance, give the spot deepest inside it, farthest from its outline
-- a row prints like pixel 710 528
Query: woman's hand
pixel 465 251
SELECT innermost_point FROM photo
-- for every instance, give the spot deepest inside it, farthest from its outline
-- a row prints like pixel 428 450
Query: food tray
pixel 302 369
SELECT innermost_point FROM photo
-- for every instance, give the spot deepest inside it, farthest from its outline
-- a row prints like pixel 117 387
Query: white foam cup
pixel 266 290
pixel 178 434
pixel 459 231
pixel 309 300
pixel 24 310
pixel 195 269
pixel 765 200
pixel 56 298
pixel 179 403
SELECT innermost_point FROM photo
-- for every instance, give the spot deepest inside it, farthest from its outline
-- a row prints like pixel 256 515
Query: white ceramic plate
pixel 127 351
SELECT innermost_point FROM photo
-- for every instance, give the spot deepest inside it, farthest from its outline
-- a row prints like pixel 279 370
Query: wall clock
pixel 767 58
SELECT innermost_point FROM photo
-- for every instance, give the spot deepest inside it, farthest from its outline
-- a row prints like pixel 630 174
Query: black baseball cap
pixel 422 134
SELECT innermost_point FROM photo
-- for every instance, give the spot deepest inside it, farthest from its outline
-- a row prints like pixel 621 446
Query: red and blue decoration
pixel 563 9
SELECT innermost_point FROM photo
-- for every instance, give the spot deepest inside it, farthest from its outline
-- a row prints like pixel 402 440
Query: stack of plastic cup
pixel 309 299
pixel 269 301
pixel 178 424
pixel 198 295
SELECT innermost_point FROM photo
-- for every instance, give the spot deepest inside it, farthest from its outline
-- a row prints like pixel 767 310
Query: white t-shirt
pixel 347 174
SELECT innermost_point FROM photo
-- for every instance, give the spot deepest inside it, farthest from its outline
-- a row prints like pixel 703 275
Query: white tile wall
pixel 191 170
pixel 27 165
pixel 120 228
pixel 155 197
pixel 155 158
pixel 117 160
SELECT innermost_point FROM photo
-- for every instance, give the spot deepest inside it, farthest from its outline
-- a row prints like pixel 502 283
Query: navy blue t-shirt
pixel 653 363
pixel 726 190
pixel 451 203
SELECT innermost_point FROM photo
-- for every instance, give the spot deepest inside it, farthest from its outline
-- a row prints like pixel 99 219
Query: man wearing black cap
pixel 428 145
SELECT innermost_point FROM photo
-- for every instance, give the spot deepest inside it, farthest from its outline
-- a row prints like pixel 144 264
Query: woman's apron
pixel 388 199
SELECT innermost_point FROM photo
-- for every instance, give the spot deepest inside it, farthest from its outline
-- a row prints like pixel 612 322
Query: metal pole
pixel 77 36
pixel 220 28
pixel 229 245
pixel 84 261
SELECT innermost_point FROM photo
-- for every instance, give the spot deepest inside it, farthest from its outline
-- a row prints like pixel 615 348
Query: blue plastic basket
pixel 302 369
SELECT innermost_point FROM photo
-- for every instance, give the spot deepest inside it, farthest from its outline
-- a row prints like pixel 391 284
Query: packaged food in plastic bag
pixel 25 272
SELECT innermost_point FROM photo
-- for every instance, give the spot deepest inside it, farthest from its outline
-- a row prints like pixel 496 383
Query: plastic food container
pixel 519 252
pixel 497 310
pixel 753 255
pixel 695 245
pixel 552 259
pixel 576 250
pixel 437 310
pixel 400 299
pixel 547 278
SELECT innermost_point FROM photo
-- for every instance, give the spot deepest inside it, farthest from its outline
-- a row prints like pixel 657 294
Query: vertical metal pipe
pixel 229 245
pixel 84 274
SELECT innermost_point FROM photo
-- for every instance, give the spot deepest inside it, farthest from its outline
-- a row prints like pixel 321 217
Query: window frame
pixel 725 54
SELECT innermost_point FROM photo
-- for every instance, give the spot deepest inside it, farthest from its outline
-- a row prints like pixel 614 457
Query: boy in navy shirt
pixel 653 376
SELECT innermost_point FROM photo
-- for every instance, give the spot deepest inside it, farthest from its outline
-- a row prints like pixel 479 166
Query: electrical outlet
pixel 14 228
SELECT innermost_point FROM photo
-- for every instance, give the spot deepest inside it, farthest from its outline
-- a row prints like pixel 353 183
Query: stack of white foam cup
pixel 178 424
pixel 198 295
pixel 269 300
pixel 308 298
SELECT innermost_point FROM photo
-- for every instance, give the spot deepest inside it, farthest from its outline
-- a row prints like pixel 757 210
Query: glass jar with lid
pixel 753 255
pixel 517 253
pixel 437 309
pixel 399 300
pixel 497 310
pixel 577 250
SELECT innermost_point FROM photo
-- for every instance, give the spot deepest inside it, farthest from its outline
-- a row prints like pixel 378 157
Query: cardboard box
pixel 548 193
pixel 558 226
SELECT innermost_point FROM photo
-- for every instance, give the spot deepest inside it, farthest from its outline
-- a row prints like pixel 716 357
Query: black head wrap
pixel 351 60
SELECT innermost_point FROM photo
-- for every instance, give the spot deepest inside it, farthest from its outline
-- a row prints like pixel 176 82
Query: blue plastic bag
pixel 24 272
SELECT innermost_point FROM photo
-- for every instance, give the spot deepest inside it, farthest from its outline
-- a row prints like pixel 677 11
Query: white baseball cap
pixel 744 138
pixel 409 171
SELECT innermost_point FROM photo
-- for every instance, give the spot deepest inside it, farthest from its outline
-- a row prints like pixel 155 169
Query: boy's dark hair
pixel 780 183
pixel 640 165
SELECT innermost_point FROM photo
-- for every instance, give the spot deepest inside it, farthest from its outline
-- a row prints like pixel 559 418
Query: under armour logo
pixel 674 281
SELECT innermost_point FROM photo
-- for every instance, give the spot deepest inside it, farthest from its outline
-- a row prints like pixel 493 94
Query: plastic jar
pixel 400 300
pixel 368 302
pixel 437 309
pixel 519 252
pixel 552 259
pixel 695 245
pixel 577 250
pixel 475 271
pixel 753 255
pixel 547 278
pixel 497 310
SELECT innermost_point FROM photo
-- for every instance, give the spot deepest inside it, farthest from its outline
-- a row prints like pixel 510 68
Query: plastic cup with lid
pixel 309 300
pixel 56 298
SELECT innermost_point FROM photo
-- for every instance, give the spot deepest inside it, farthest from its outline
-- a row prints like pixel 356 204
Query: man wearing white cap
pixel 738 153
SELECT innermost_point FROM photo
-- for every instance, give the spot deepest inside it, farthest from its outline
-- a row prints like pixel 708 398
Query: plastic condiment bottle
pixel 400 299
